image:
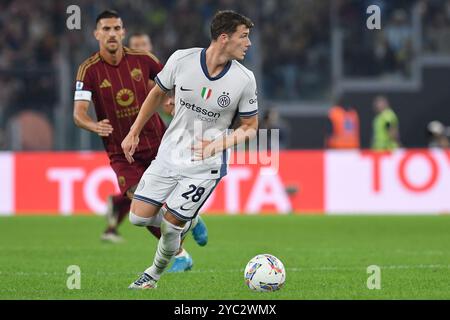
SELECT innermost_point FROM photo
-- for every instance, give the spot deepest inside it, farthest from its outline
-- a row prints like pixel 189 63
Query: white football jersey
pixel 204 109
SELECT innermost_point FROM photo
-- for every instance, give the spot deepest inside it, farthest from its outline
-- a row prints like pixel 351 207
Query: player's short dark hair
pixel 227 21
pixel 107 14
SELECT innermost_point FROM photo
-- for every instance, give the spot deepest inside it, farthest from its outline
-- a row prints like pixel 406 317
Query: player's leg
pixel 153 190
pixel 118 206
pixel 193 193
pixel 145 214
pixel 168 245
pixel 153 227
pixel 142 161
pixel 183 205
pixel 118 209
pixel 154 230
pixel 200 232
pixel 183 260
pixel 128 177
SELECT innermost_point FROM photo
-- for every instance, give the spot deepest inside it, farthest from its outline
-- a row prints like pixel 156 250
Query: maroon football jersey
pixel 118 93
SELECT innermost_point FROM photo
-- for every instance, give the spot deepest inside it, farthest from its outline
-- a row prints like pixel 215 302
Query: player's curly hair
pixel 227 21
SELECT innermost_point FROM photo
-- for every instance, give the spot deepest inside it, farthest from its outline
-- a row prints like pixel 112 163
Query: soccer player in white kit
pixel 211 89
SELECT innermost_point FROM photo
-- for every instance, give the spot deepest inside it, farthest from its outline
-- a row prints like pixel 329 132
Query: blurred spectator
pixel 295 42
pixel 397 35
pixel 140 41
pixel 292 38
pixel 436 25
pixel 2 140
pixel 28 53
pixel 343 127
pixel 385 126
pixel 273 120
pixel 384 56
pixel 437 135
pixel 29 131
pixel 439 34
pixel 377 53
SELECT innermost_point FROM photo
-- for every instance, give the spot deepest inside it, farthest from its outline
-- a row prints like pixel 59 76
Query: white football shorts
pixel 184 196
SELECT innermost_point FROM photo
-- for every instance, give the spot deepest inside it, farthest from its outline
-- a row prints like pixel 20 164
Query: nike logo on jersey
pixel 184 89
pixel 186 209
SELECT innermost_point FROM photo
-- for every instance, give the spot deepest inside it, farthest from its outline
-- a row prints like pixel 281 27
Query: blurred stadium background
pixel 308 56
pixel 305 54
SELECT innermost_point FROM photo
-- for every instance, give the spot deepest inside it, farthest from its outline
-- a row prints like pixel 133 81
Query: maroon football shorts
pixel 129 174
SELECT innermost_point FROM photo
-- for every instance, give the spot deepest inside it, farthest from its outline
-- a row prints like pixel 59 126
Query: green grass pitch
pixel 326 257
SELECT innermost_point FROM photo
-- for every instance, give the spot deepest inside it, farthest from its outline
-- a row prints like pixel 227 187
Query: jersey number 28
pixel 196 196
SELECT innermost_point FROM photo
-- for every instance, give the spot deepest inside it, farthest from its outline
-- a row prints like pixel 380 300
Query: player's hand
pixel 129 145
pixel 169 106
pixel 202 149
pixel 103 128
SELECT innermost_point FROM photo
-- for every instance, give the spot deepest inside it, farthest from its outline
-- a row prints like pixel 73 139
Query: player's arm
pixel 165 81
pixel 393 132
pixel 83 120
pixel 82 98
pixel 245 132
pixel 154 99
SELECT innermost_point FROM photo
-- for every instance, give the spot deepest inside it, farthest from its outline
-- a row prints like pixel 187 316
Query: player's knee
pixel 169 229
pixel 170 236
pixel 139 221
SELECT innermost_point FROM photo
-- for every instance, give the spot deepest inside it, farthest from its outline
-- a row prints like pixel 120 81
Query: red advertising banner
pixel 79 182
pixel 296 186
pixel 7 173
pixel 62 183
pixel 407 181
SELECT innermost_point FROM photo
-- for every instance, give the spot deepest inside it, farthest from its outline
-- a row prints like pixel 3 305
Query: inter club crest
pixel 224 100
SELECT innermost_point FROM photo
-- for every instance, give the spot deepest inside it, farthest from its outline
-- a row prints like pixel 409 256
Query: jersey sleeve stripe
pixel 83 71
pixel 84 66
pixel 248 114
pixel 161 85
pixel 141 53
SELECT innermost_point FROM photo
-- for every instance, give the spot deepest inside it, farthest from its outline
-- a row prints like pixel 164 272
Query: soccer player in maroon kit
pixel 142 41
pixel 117 80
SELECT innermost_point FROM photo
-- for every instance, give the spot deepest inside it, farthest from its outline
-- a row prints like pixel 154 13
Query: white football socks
pixel 168 246
pixel 182 253
pixel 154 221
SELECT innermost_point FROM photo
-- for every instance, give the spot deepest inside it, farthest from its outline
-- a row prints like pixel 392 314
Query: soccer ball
pixel 264 272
